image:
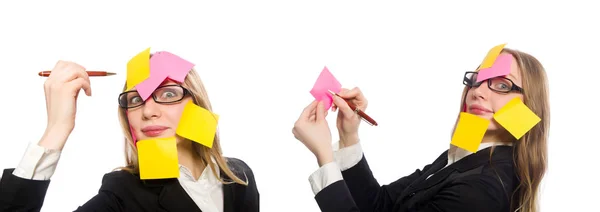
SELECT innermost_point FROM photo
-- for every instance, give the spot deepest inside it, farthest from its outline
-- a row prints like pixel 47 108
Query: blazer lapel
pixel 172 197
pixel 233 195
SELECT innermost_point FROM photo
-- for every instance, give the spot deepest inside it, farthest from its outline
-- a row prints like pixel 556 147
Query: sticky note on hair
pixel 491 56
pixel 138 69
pixel 516 118
pixel 158 158
pixel 500 68
pixel 325 81
pixel 198 124
pixel 469 131
pixel 163 65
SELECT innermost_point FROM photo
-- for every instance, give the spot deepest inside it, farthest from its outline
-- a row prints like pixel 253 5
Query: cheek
pixel 134 118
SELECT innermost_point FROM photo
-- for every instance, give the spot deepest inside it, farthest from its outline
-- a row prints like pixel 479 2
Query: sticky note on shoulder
pixel 326 81
pixel 138 69
pixel 516 118
pixel 491 56
pixel 158 158
pixel 469 131
pixel 198 124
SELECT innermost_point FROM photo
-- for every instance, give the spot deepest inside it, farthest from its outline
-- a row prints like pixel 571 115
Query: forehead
pixel 515 71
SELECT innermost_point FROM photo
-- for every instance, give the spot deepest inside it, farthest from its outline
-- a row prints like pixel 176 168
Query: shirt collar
pixel 455 153
pixel 206 173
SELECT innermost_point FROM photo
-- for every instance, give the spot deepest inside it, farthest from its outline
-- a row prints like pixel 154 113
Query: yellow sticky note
pixel 138 69
pixel 516 118
pixel 490 58
pixel 158 158
pixel 198 124
pixel 469 131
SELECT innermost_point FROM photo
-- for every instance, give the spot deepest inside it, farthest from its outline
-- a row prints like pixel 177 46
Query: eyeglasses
pixel 498 84
pixel 162 95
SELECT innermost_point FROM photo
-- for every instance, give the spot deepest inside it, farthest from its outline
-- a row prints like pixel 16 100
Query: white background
pixel 259 60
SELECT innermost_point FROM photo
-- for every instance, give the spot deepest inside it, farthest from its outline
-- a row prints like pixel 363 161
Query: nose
pixel 481 92
pixel 150 109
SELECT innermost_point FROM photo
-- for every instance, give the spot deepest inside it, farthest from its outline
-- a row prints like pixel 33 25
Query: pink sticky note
pixel 163 65
pixel 326 81
pixel 501 67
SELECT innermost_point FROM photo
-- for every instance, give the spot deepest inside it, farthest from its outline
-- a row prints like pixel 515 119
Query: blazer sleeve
pixel 367 192
pixel 252 201
pixel 19 194
pixel 336 198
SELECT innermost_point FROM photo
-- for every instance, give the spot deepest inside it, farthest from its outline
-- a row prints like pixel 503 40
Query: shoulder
pixel 120 182
pixel 240 168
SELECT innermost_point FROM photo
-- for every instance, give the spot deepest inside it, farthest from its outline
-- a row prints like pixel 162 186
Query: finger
pixel 333 107
pixel 355 93
pixel 78 84
pixel 320 111
pixel 312 118
pixel 343 106
pixel 308 110
pixel 72 71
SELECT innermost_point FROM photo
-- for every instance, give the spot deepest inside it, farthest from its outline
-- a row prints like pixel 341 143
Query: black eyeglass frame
pixel 185 93
pixel 468 82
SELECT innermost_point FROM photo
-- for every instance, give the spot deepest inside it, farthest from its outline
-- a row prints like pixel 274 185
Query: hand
pixel 61 90
pixel 347 120
pixel 312 130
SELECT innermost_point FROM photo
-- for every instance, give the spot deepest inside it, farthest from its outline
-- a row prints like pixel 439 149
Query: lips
pixel 478 110
pixel 153 131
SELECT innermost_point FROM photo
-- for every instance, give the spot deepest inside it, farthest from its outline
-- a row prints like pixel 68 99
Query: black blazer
pixel 474 183
pixel 122 191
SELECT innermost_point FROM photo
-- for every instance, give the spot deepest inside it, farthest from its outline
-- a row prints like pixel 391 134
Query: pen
pixel 90 73
pixel 360 113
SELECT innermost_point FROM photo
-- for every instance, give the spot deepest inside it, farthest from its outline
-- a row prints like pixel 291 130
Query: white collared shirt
pixel 39 163
pixel 348 157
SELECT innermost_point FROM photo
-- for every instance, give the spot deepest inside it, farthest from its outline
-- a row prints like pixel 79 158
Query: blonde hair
pixel 530 151
pixel 194 85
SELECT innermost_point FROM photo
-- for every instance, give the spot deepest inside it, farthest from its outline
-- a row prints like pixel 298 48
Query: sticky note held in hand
pixel 326 81
pixel 491 56
pixel 469 131
pixel 516 118
pixel 138 69
pixel 198 124
pixel 158 158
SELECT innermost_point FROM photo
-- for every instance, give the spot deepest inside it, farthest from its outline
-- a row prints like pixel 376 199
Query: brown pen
pixel 90 73
pixel 360 113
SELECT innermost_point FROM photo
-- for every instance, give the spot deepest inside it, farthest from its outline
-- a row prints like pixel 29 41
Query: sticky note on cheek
pixel 326 81
pixel 158 158
pixel 516 118
pixel 500 68
pixel 198 124
pixel 469 131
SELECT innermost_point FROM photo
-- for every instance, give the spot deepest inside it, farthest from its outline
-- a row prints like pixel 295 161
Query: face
pixel 484 102
pixel 157 120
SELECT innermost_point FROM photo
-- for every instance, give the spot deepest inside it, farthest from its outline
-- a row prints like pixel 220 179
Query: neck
pixel 189 158
pixel 497 136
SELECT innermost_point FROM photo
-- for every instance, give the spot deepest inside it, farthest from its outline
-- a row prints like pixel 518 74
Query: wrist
pixel 54 138
pixel 348 139
pixel 324 157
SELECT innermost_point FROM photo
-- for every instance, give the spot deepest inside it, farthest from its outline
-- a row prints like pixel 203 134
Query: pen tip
pixel 331 92
pixel 110 73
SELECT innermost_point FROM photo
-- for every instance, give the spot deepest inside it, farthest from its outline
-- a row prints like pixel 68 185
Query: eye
pixel 135 100
pixel 168 94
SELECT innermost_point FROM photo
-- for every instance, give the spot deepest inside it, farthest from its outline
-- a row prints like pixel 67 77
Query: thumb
pixel 343 106
pixel 320 111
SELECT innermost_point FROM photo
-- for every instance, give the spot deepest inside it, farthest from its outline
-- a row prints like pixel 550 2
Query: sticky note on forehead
pixel 516 118
pixel 325 81
pixel 163 65
pixel 198 124
pixel 158 158
pixel 501 67
pixel 138 69
pixel 469 131
pixel 489 59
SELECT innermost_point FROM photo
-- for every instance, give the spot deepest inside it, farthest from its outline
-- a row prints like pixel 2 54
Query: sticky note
pixel 198 124
pixel 138 69
pixel 516 118
pixel 163 65
pixel 489 59
pixel 500 68
pixel 469 131
pixel 325 81
pixel 158 158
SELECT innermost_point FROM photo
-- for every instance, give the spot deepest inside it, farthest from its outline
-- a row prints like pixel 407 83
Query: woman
pixel 208 181
pixel 503 175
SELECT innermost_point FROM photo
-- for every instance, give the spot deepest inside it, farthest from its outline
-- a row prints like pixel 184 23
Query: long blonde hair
pixel 200 97
pixel 530 151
